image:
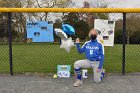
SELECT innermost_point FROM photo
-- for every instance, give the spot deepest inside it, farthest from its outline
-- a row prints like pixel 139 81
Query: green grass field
pixel 44 58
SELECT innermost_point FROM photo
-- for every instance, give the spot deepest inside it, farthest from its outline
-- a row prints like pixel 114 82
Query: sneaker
pixel 78 83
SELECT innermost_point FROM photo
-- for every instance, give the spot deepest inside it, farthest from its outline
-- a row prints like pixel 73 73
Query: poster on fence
pixel 63 71
pixel 105 30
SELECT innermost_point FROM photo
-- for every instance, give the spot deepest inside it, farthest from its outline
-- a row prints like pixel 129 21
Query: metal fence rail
pixel 92 10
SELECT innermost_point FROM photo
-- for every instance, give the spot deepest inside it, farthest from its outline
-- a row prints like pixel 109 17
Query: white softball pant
pixel 89 64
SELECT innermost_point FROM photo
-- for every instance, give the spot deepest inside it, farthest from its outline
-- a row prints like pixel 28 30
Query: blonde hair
pixel 89 34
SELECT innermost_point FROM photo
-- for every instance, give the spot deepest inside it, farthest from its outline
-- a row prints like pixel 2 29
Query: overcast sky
pixel 112 3
pixel 125 3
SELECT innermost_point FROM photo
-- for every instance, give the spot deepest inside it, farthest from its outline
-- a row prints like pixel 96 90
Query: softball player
pixel 94 52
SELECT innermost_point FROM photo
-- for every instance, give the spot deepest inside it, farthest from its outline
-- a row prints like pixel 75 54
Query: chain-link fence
pixel 4 54
pixel 29 56
pixel 133 42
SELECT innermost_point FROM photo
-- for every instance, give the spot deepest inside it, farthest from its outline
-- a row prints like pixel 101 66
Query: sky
pixel 112 3
pixel 125 3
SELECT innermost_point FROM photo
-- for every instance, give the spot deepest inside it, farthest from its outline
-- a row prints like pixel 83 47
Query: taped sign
pixel 105 30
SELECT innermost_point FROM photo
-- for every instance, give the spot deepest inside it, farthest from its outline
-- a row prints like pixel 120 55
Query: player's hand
pixel 77 40
pixel 98 70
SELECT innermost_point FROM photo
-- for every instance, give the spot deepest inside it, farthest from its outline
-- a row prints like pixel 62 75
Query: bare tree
pixel 89 17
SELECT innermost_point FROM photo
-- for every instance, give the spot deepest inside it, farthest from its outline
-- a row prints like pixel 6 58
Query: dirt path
pixel 37 84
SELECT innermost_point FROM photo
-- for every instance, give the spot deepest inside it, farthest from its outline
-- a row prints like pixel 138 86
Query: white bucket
pixel 84 73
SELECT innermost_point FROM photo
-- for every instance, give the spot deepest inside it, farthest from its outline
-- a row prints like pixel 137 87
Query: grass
pixel 44 58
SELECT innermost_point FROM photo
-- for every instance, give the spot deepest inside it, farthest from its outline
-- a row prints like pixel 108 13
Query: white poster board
pixel 105 30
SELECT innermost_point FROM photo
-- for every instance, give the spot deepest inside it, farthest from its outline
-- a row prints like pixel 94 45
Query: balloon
pixel 67 44
pixel 68 29
pixel 60 33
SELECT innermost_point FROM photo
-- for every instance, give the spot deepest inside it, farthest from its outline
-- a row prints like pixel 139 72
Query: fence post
pixel 9 21
pixel 124 39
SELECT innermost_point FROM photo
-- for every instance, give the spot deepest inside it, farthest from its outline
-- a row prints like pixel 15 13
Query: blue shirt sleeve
pixel 80 49
pixel 101 50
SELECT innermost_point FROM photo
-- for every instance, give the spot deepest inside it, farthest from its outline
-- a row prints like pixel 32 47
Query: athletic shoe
pixel 78 83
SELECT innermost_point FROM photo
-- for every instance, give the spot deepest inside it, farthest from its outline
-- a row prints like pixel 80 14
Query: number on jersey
pixel 91 52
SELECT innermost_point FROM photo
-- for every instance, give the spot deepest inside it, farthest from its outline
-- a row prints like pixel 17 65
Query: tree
pixel 82 22
pixel 3 22
pixel 80 26
pixel 19 19
pixel 132 25
pixel 89 17
pixel 45 4
pixel 132 28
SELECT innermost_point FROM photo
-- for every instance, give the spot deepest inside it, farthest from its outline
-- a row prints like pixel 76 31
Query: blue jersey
pixel 93 50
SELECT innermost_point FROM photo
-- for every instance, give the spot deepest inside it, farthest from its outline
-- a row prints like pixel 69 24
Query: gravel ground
pixel 45 84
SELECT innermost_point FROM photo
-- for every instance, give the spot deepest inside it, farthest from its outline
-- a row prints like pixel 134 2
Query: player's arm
pixel 80 49
pixel 101 49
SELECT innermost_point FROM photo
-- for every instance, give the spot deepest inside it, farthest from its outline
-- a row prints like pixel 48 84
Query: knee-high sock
pixel 78 73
